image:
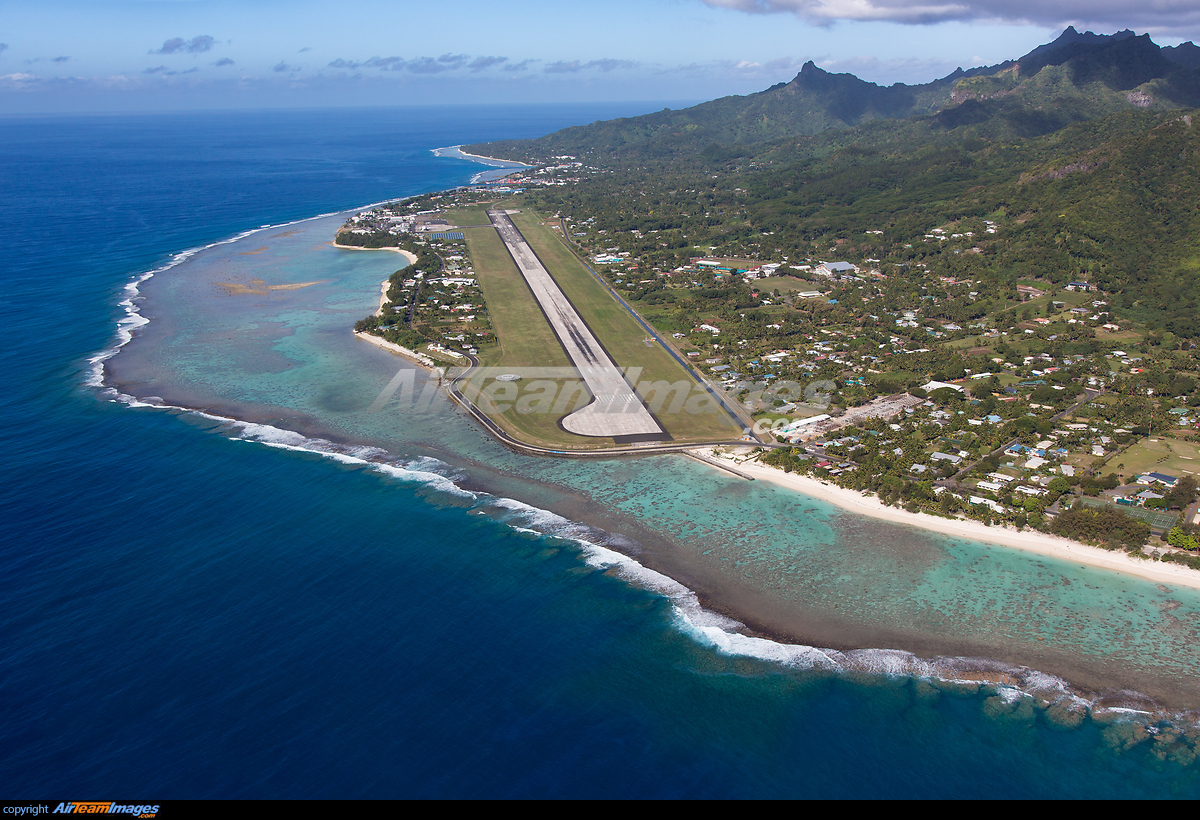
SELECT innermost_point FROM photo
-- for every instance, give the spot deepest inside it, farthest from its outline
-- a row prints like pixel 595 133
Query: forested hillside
pixel 1079 154
pixel 1076 78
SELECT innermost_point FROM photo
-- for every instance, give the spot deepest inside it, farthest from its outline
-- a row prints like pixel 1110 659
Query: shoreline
pixel 409 255
pixel 504 163
pixel 1028 540
pixel 384 344
pixel 383 292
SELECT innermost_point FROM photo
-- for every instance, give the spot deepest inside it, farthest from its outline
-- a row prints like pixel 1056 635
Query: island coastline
pixel 384 344
pixel 457 152
pixel 409 255
pixel 1028 540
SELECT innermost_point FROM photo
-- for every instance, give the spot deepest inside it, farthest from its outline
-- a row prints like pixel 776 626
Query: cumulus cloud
pixel 1159 15
pixel 171 46
pixel 200 44
pixel 384 63
pixel 223 61
pixel 423 65
pixel 282 67
pixel 18 80
pixel 3 47
pixel 521 66
pixel 196 45
pixel 60 59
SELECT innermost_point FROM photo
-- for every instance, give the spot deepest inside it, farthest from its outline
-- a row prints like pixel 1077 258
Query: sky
pixel 127 55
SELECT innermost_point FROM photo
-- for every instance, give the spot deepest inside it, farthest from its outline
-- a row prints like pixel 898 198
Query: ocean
pixel 222 577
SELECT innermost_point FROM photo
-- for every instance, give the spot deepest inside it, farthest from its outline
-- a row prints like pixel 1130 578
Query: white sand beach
pixel 383 291
pixel 409 255
pixel 501 163
pixel 1029 540
pixel 419 358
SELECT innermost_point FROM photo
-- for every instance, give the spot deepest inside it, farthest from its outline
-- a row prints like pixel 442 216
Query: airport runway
pixel 616 409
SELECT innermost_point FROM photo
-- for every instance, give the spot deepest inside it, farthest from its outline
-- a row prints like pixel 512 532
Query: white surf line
pixel 616 409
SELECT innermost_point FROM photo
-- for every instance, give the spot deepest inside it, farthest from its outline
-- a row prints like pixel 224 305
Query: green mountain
pixel 1078 161
pixel 1077 77
pixel 1186 54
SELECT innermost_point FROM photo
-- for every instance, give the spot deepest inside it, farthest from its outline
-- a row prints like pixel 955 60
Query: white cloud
pixel 18 80
pixel 1180 16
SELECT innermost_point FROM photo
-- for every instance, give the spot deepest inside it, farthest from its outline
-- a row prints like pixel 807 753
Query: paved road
pixel 615 410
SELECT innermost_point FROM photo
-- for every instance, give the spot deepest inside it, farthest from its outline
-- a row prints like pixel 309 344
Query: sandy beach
pixel 419 358
pixel 1029 540
pixel 409 255
pixel 500 163
pixel 383 292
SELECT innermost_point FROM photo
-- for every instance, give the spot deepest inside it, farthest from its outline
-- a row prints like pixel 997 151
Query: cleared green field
pixel 1161 455
pixel 785 284
pixel 466 217
pixel 524 337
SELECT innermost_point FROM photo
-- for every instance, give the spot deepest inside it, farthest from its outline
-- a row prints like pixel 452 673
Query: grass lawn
pixel 784 284
pixel 469 216
pixel 1121 337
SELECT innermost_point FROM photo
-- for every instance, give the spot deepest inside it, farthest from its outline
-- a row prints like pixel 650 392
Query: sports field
pixel 1161 455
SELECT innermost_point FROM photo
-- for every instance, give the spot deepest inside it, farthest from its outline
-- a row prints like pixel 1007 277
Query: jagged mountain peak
pixel 1071 36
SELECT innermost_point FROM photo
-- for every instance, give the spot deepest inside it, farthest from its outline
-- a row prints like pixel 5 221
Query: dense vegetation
pixel 1105 528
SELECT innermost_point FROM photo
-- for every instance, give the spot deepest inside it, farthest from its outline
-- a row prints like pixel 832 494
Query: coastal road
pixel 615 409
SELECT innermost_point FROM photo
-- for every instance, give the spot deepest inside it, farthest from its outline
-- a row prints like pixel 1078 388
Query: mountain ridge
pixel 1078 76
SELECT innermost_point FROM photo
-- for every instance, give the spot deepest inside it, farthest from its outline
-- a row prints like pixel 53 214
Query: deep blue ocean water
pixel 186 612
